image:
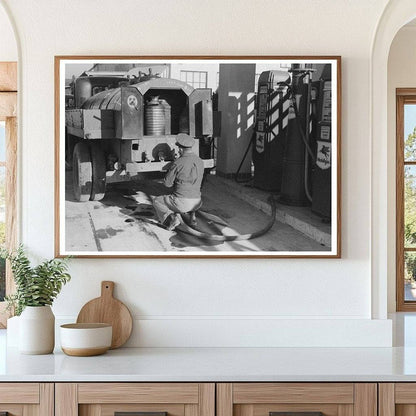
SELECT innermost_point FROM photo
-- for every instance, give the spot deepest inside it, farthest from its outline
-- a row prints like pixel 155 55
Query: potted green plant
pixel 36 289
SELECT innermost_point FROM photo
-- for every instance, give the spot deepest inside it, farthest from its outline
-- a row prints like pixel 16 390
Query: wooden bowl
pixel 84 340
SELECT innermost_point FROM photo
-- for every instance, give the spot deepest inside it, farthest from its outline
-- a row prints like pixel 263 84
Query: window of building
pixel 197 79
pixel 406 200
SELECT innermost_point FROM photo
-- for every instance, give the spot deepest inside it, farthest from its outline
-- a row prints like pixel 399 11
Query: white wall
pixel 179 302
pixel 401 74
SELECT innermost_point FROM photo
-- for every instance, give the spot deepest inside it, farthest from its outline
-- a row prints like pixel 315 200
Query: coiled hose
pixel 186 228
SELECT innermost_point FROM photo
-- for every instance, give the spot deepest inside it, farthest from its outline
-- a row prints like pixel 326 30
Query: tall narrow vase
pixel 37 330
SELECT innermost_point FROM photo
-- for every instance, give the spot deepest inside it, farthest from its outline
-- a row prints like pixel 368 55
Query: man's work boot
pixel 172 222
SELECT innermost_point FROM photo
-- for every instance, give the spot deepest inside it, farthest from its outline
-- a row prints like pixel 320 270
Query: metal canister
pixel 154 117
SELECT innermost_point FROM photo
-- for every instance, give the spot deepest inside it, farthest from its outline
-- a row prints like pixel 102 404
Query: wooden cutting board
pixel 107 309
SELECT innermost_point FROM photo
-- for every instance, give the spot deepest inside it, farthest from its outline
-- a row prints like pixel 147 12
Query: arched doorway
pixel 396 14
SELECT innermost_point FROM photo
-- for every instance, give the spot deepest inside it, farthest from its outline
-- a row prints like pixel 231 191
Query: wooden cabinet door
pixel 27 399
pixel 107 399
pixel 297 399
pixel 397 399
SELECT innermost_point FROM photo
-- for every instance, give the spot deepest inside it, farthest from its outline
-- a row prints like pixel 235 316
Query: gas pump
pixel 292 137
pixel 272 109
pixel 321 203
pixel 299 149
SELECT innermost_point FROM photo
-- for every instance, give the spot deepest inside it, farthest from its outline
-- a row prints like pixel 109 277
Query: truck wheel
pixel 98 172
pixel 82 172
pixel 70 142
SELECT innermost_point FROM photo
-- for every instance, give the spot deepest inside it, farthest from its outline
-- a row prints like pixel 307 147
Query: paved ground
pixel 300 218
pixel 118 223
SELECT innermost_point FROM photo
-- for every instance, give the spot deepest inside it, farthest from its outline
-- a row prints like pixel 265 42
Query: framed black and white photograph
pixel 198 156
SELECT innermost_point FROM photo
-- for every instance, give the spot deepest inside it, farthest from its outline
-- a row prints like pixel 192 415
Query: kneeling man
pixel 185 176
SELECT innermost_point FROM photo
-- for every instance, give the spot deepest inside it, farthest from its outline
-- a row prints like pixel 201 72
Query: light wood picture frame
pixel 266 129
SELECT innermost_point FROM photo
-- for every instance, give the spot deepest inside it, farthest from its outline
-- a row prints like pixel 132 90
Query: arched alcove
pixel 396 14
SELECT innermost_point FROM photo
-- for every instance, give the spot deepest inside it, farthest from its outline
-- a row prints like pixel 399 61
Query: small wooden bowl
pixel 85 340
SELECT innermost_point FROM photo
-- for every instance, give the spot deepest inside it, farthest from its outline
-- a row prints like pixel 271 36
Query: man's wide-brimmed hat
pixel 185 140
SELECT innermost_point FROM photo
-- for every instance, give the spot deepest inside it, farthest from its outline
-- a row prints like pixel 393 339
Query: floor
pixel 124 221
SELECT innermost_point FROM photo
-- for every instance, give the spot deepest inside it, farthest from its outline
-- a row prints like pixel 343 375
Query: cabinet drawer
pixel 21 399
pixel 296 399
pixel 138 393
pixel 107 399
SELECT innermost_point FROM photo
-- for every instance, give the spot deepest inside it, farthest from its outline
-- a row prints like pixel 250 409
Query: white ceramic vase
pixel 37 330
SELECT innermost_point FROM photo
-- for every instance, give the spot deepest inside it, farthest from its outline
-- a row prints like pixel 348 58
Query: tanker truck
pixel 119 129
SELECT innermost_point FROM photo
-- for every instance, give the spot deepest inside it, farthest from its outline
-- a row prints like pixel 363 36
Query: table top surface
pixel 212 365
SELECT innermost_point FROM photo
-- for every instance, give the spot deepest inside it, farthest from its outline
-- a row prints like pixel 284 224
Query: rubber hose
pixel 213 237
